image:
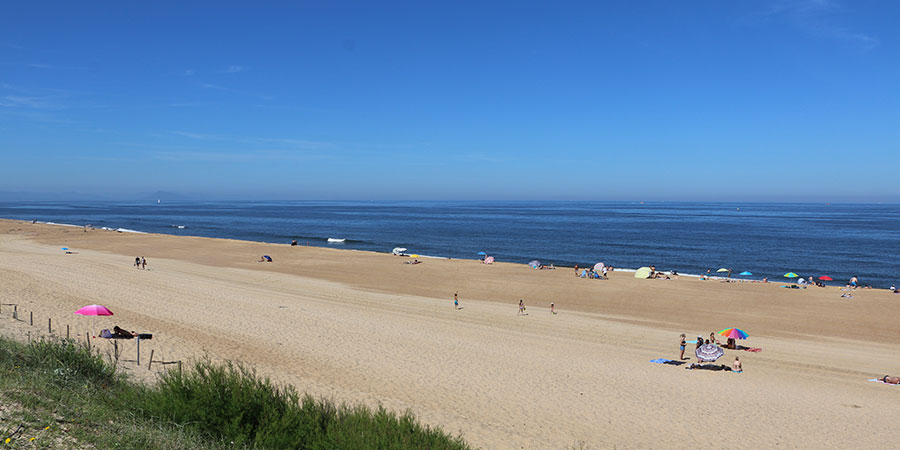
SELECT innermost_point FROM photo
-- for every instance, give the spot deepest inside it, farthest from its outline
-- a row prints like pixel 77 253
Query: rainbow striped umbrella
pixel 734 333
pixel 791 275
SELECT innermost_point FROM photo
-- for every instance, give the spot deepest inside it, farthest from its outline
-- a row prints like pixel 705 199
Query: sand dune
pixel 360 326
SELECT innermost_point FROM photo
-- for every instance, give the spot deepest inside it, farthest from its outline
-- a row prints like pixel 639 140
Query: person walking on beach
pixel 552 308
pixel 143 262
pixel 683 343
pixel 456 300
pixel 576 270
pixel 521 307
pixel 137 262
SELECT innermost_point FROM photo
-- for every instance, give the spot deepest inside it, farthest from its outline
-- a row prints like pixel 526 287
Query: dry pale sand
pixel 360 326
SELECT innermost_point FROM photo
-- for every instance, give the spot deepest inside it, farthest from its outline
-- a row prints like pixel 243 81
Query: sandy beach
pixel 365 327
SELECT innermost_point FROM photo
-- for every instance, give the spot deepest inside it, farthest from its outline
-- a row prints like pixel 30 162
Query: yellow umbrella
pixel 643 272
pixel 413 256
pixel 723 270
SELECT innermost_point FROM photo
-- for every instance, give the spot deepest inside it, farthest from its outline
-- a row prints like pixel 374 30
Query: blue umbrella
pixel 64 248
pixel 482 253
pixel 745 273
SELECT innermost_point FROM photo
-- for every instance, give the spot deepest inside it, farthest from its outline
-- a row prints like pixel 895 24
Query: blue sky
pixel 703 100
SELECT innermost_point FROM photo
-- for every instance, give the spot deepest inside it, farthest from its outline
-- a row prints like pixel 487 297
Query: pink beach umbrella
pixel 94 310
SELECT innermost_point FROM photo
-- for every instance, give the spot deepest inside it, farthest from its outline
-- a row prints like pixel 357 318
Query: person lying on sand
pixel 715 367
pixel 889 380
pixel 120 333
pixel 736 365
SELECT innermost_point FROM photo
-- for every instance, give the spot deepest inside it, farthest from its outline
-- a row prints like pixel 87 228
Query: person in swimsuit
pixel 736 365
pixel 889 380
pixel 137 262
pixel 456 300
pixel 552 308
pixel 683 343
pixel 712 338
pixel 521 307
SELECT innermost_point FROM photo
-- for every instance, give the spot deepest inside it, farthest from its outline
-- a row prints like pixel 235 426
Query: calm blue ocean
pixel 840 240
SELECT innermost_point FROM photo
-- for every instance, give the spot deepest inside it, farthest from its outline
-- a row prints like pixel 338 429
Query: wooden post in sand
pixel 88 337
pixel 67 331
pixel 31 318
pixel 49 325
pixel 138 351
pixel 151 360
pixel 16 312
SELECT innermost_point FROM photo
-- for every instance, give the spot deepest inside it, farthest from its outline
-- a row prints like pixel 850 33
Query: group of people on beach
pixel 736 366
pixel 140 262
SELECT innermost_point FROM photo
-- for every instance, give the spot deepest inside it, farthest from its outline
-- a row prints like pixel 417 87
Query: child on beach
pixel 683 343
pixel 456 300
pixel 143 262
pixel 552 308
pixel 521 308
pixel 736 365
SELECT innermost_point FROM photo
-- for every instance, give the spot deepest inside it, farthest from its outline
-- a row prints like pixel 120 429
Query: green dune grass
pixel 57 394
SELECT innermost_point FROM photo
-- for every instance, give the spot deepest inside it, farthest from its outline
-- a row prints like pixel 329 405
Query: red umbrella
pixel 825 278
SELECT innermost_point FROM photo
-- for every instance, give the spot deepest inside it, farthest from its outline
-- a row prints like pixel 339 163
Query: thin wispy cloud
pixel 11 45
pixel 188 72
pixel 202 136
pixel 300 143
pixel 821 19
pixel 13 101
pixel 54 66
pixel 188 104
pixel 258 155
pixel 290 143
pixel 217 87
pixel 233 69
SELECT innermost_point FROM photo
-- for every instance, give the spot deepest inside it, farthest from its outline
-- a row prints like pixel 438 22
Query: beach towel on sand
pixel 882 382
pixel 752 349
pixel 667 361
